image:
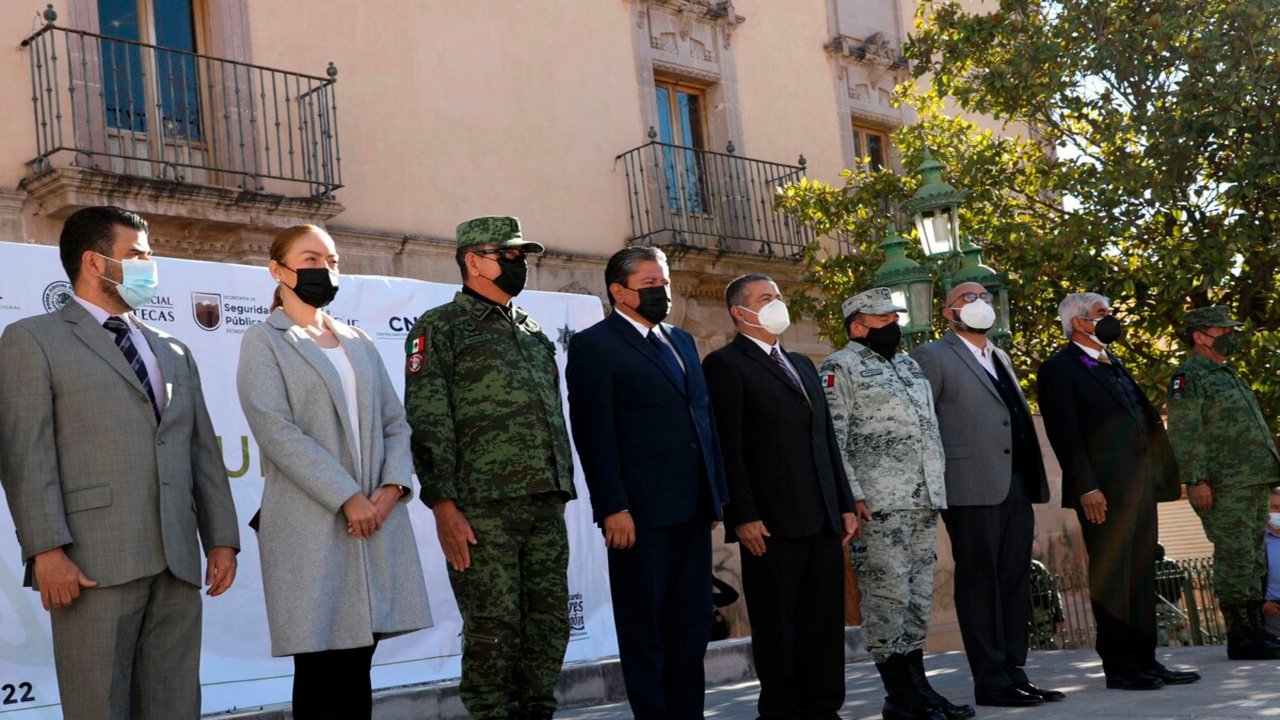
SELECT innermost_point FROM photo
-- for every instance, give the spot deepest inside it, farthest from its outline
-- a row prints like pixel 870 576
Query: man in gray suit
pixel 994 473
pixel 111 469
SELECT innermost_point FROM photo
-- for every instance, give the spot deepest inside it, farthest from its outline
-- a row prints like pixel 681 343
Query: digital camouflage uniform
pixel 888 435
pixel 482 391
pixel 1220 437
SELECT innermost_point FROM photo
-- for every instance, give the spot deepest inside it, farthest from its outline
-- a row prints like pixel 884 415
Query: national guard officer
pixel 1228 459
pixel 882 409
pixel 482 390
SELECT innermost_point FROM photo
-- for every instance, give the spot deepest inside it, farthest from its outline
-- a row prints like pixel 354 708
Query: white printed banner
pixel 209 306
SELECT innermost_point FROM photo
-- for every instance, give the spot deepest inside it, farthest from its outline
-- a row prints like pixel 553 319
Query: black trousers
pixel 1122 585
pixel 991 545
pixel 661 589
pixel 333 684
pixel 795 600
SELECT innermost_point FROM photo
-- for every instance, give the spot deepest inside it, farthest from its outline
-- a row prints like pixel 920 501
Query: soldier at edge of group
pixel 885 424
pixel 491 449
pixel 1228 458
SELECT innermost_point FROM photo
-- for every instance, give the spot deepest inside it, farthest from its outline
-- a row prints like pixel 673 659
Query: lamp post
pixel 935 210
pixel 911 285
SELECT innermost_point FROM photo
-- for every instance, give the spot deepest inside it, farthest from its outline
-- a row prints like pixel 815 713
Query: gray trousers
pixel 130 652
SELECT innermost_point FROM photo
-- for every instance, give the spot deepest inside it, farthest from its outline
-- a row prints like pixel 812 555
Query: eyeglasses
pixel 971 296
pixel 512 253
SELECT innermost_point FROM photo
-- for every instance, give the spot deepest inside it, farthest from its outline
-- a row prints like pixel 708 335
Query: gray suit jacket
pixel 325 589
pixel 86 466
pixel 974 422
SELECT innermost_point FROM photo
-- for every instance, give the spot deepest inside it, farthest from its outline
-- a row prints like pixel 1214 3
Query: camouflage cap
pixel 496 230
pixel 876 301
pixel 1212 316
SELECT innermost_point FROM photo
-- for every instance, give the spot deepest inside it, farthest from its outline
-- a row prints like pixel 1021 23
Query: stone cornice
pixel 61 191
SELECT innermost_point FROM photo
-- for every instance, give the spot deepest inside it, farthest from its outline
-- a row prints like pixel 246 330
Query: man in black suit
pixel 645 433
pixel 790 505
pixel 1116 465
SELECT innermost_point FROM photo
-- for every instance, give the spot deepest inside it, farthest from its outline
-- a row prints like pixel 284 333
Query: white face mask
pixel 1275 520
pixel 978 315
pixel 774 317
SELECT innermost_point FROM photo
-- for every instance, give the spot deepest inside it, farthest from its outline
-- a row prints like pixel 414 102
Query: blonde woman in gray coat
pixel 340 566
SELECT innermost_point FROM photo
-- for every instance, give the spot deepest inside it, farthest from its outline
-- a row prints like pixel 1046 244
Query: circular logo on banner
pixel 57 295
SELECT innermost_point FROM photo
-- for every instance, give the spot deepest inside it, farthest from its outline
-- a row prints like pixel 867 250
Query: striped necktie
pixel 120 329
pixel 777 357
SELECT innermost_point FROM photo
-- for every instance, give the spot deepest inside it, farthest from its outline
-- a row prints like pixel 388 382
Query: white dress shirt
pixel 984 355
pixel 1093 353
pixel 139 343
pixel 657 330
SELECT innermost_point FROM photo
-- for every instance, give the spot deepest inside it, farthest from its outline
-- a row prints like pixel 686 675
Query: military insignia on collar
pixel 1178 386
pixel 415 363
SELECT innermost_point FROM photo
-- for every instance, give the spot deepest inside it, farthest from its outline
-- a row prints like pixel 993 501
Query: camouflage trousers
pixel 894 562
pixel 1235 525
pixel 514 602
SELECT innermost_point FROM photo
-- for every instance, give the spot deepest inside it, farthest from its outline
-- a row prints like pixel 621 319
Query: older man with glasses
pixel 994 473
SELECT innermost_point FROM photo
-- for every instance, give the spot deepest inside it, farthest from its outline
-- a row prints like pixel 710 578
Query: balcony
pixel 119 117
pixel 716 201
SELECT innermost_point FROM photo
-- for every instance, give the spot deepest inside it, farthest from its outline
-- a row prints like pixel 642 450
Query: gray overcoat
pixel 325 589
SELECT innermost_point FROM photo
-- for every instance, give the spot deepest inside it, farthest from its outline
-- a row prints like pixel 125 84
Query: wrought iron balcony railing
pixel 142 110
pixel 682 196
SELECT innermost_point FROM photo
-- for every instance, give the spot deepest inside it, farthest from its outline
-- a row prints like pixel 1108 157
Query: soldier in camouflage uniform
pixel 882 409
pixel 1228 459
pixel 482 390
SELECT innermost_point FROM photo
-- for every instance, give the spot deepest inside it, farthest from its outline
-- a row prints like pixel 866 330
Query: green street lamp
pixel 911 285
pixel 935 208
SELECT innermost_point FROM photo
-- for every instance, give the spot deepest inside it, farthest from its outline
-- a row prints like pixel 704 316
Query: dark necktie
pixel 124 341
pixel 668 357
pixel 777 357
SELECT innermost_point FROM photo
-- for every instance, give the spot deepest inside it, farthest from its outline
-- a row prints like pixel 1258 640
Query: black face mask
pixel 316 286
pixel 883 341
pixel 655 303
pixel 513 276
pixel 1107 330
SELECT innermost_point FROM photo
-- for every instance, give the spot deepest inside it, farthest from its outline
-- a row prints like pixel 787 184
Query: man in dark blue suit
pixel 646 436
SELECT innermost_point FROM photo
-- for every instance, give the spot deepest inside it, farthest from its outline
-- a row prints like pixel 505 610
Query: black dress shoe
pixel 1046 695
pixel 1172 677
pixel 1009 697
pixel 1134 681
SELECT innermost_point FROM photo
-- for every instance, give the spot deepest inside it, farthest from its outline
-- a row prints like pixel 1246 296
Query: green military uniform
pixel 482 391
pixel 1221 438
pixel 887 430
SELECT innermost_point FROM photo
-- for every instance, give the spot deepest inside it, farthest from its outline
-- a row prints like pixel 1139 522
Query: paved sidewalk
pixel 1229 690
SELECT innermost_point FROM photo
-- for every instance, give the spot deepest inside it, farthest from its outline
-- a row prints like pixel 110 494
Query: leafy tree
pixel 1147 169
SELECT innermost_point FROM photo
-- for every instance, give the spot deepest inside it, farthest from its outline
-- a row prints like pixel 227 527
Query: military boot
pixel 902 701
pixel 1244 642
pixel 920 682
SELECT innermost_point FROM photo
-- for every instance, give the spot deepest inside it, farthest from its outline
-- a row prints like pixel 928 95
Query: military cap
pixel 1212 316
pixel 876 301
pixel 496 230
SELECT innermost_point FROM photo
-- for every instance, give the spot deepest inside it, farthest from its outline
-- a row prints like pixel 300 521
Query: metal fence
pixel 143 110
pixel 1187 611
pixel 683 196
